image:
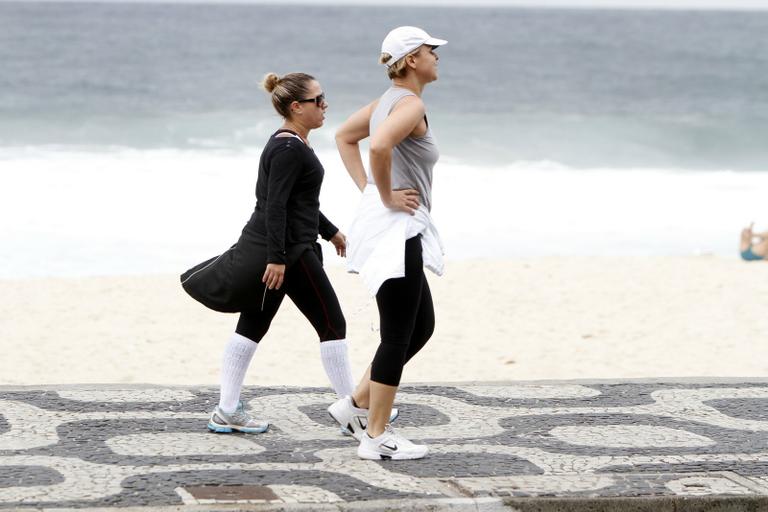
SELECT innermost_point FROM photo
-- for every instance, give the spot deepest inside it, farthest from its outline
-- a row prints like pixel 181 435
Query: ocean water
pixel 130 133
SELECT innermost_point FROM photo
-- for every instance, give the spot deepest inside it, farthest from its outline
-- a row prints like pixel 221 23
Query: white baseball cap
pixel 403 40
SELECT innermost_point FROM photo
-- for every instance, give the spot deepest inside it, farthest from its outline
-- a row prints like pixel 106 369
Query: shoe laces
pixel 399 440
pixel 391 434
pixel 240 417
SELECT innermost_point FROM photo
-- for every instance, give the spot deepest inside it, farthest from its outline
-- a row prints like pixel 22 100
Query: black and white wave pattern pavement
pixel 86 447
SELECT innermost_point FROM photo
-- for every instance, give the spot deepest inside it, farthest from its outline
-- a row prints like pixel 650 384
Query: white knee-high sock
pixel 336 363
pixel 237 356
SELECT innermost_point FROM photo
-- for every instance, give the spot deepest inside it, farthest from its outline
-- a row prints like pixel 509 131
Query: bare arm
pixel 397 126
pixel 348 136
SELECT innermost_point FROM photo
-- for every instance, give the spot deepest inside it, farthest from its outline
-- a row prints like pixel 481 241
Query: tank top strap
pixel 395 94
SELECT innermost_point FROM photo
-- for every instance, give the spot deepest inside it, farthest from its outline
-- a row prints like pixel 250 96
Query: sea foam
pixel 67 212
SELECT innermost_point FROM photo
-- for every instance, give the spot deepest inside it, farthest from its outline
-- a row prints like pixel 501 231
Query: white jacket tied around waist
pixel 376 240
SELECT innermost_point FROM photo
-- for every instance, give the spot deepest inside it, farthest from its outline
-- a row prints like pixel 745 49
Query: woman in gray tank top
pixel 394 225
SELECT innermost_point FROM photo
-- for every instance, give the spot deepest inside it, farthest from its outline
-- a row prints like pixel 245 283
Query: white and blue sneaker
pixel 353 420
pixel 389 446
pixel 239 421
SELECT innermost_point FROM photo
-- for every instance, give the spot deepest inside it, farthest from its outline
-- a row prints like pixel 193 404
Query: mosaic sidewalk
pixel 82 447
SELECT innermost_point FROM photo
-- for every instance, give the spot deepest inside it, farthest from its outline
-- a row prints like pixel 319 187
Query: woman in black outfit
pixel 277 255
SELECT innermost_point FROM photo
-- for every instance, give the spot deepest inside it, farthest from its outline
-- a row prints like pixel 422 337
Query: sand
pixel 518 319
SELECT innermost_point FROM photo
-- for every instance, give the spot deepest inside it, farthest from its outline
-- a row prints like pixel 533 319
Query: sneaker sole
pixel 222 429
pixel 366 455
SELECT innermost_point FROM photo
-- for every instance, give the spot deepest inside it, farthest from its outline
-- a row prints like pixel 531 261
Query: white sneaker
pixel 353 420
pixel 389 445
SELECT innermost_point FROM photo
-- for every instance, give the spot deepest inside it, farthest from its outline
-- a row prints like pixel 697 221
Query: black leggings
pixel 307 285
pixel 406 316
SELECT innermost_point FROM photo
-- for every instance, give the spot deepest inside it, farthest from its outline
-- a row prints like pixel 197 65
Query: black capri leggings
pixel 406 316
pixel 307 285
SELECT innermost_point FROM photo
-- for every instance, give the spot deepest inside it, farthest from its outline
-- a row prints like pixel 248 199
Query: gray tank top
pixel 413 158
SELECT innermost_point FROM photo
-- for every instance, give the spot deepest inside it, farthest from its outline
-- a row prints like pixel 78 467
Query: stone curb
pixel 406 505
pixel 605 504
pixel 641 504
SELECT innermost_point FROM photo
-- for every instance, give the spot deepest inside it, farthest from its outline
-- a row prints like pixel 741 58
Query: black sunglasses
pixel 319 100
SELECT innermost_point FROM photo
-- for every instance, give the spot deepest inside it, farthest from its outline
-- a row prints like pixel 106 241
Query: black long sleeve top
pixel 287 209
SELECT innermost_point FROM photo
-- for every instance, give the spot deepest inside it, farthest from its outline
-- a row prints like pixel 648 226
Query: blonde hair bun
pixel 270 82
